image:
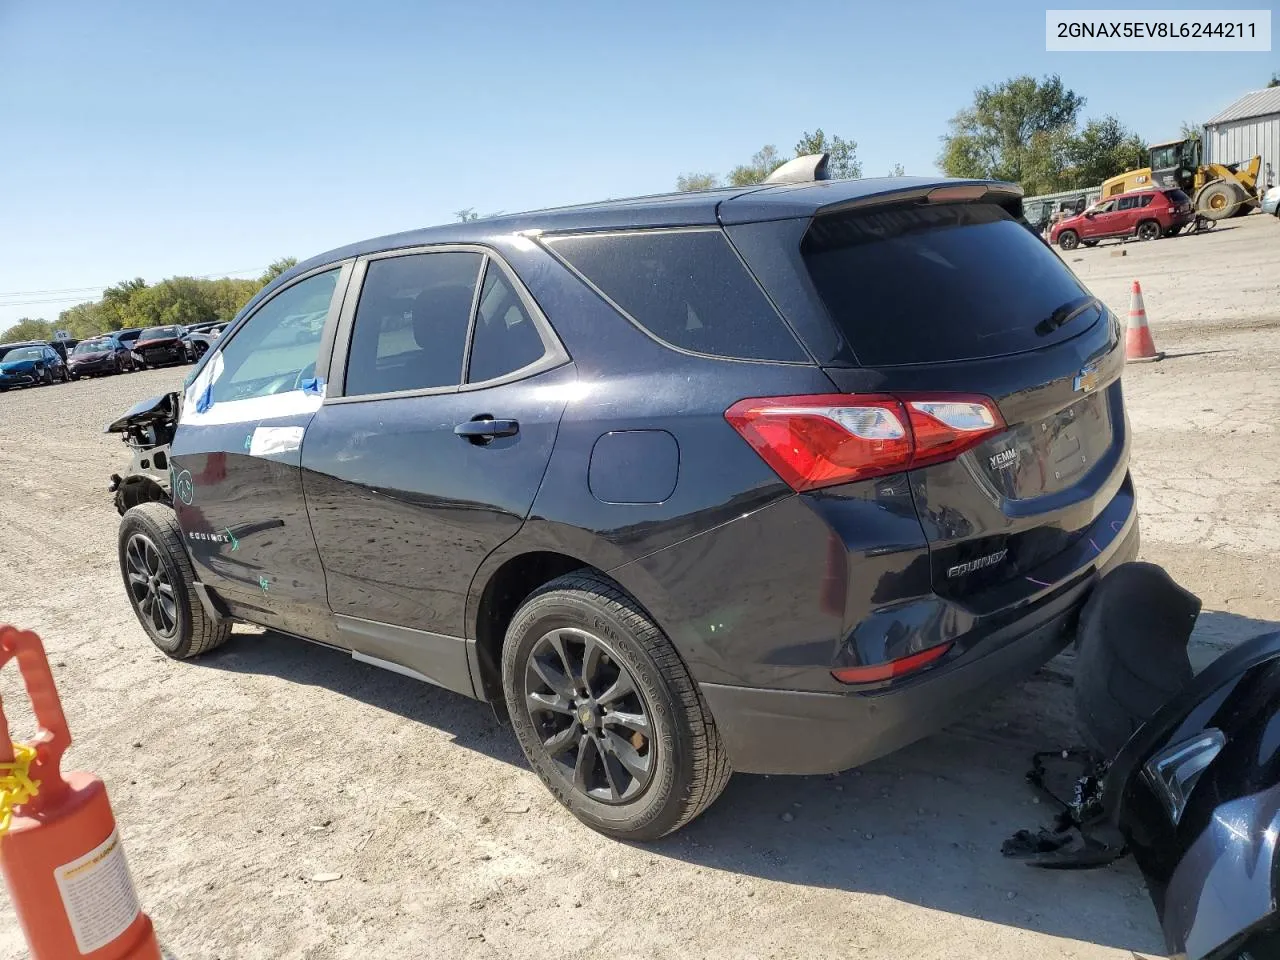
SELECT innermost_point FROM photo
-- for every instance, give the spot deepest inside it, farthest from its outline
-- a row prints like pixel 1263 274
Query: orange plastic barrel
pixel 62 859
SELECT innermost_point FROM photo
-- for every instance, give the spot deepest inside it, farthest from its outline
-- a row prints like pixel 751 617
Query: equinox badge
pixel 990 560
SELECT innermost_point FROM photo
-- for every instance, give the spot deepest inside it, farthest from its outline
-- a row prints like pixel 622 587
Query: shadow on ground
pixel 923 826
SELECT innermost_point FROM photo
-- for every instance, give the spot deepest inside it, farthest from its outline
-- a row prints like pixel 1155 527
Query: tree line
pixel 135 303
pixel 1025 130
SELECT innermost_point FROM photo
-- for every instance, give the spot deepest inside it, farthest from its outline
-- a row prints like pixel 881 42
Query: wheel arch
pixel 495 598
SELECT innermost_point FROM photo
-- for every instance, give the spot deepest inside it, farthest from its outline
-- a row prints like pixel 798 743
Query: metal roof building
pixel 1249 126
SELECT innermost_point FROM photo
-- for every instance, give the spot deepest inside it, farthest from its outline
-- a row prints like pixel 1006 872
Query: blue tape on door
pixel 313 385
pixel 205 400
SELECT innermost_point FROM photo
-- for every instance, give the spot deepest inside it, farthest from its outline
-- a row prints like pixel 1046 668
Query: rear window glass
pixel 686 287
pixel 928 284
pixel 1177 196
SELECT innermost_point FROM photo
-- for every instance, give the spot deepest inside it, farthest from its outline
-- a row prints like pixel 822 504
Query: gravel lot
pixel 239 778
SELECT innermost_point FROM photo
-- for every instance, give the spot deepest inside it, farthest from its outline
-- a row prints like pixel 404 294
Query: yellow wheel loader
pixel 1218 190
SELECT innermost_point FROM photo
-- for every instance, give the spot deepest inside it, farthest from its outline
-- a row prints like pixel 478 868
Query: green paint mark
pixel 248 442
pixel 263 582
pixel 235 544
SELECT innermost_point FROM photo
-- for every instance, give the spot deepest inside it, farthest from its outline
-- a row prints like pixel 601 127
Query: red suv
pixel 1146 214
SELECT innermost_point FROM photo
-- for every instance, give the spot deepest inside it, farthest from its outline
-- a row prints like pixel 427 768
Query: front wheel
pixel 1218 200
pixel 159 582
pixel 1068 240
pixel 1148 230
pixel 606 712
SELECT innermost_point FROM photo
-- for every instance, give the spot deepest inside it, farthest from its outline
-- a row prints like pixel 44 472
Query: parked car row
pixel 1144 214
pixel 36 363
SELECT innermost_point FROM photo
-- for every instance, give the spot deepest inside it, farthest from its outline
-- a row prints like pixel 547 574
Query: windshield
pixel 93 346
pixel 159 333
pixel 23 353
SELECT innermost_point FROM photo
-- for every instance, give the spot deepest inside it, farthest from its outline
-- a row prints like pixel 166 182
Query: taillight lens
pixel 826 439
pixel 893 668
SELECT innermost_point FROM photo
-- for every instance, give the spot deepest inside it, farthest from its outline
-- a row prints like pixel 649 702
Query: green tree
pixel 28 329
pixel 1103 149
pixel 842 164
pixel 689 182
pixel 1275 81
pixel 466 215
pixel 277 267
pixel 764 162
pixel 897 171
pixel 87 319
pixel 994 137
pixel 1188 131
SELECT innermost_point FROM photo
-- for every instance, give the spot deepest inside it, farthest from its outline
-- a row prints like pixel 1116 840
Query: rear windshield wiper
pixel 1065 314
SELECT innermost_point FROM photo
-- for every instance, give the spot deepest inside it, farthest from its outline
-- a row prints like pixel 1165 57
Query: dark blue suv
pixel 771 479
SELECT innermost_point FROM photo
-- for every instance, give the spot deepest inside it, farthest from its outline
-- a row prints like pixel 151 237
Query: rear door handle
pixel 483 429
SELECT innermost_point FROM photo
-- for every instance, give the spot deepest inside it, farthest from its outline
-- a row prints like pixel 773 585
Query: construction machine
pixel 1218 190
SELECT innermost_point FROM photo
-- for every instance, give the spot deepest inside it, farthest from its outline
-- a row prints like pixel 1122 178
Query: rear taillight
pixel 831 438
pixel 891 669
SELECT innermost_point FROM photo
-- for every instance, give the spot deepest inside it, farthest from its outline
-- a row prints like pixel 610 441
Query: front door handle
pixel 483 429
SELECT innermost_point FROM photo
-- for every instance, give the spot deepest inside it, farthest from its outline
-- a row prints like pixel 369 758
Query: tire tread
pixel 710 759
pixel 206 632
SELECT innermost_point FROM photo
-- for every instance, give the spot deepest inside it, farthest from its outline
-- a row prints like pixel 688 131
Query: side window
pixel 1107 207
pixel 410 329
pixel 1146 201
pixel 686 287
pixel 1127 203
pixel 276 349
pixel 505 338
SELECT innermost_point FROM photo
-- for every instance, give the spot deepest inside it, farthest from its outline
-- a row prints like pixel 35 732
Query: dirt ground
pixel 241 778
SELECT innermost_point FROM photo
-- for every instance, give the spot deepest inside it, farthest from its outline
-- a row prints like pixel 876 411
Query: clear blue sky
pixel 150 139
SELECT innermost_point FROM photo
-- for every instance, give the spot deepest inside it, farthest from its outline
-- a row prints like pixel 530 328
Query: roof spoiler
pixel 806 169
pixel 1007 195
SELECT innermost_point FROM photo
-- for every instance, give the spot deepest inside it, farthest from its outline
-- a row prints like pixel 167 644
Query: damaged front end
pixel 147 430
pixel 1193 795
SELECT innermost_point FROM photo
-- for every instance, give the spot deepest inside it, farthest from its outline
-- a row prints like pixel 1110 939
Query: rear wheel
pixel 1149 230
pixel 159 581
pixel 606 712
pixel 1068 240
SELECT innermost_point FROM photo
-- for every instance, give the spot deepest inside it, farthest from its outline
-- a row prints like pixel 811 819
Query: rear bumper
pixel 797 732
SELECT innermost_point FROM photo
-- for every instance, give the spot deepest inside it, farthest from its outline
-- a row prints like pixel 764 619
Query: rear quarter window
pixel 931 284
pixel 686 287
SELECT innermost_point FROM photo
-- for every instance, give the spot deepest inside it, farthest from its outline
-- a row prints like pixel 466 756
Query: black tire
pixel 192 630
pixel 1068 240
pixel 1149 230
pixel 46 378
pixel 1131 656
pixel 1218 200
pixel 686 765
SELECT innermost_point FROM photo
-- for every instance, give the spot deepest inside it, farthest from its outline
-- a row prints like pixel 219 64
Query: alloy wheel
pixel 150 587
pixel 589 716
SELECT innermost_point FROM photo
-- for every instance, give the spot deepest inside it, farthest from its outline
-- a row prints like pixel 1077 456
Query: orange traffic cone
pixel 1139 347
pixel 60 853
